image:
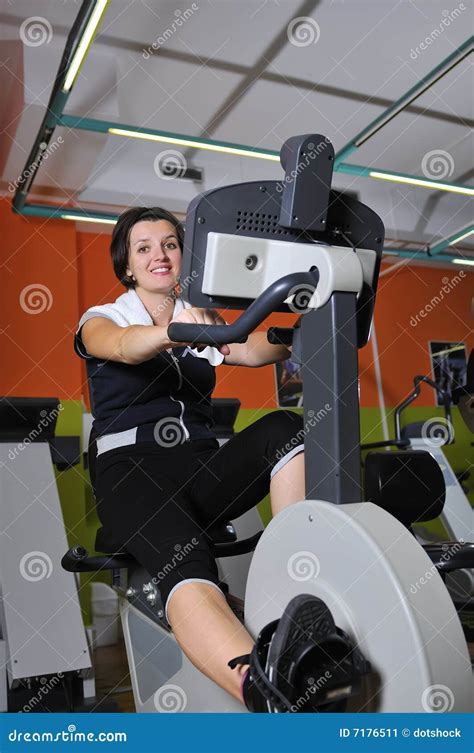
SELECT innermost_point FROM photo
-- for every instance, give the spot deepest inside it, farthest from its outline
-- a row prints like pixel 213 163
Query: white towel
pixel 129 309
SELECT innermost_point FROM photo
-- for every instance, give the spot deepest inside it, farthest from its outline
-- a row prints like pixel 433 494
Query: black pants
pixel 157 501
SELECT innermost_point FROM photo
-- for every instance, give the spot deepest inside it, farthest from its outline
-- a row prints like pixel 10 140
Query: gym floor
pixel 112 677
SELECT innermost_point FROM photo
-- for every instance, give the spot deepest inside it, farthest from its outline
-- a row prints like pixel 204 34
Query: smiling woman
pixel 161 478
pixel 135 232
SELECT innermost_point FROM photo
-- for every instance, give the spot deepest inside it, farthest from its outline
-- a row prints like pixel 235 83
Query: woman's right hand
pixel 196 315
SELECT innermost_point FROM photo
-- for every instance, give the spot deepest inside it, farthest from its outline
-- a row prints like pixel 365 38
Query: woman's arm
pixel 257 351
pixel 133 345
pixel 103 338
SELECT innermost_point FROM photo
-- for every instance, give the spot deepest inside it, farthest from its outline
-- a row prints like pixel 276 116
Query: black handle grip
pixel 259 309
pixel 280 335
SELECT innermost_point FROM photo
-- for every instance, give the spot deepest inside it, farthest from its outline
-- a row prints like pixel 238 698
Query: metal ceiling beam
pixel 57 213
pixel 56 105
pixel 416 91
pixel 361 171
pixel 450 241
pixel 423 256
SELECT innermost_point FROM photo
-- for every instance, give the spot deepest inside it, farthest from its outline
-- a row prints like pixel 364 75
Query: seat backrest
pixel 409 484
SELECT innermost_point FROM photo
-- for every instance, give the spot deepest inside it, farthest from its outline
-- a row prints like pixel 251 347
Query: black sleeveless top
pixel 167 396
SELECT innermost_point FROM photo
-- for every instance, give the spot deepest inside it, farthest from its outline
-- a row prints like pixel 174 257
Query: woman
pixel 161 479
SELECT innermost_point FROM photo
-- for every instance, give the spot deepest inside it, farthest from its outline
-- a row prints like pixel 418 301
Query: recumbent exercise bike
pixel 288 246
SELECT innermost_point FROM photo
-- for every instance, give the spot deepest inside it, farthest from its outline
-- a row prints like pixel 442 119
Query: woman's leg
pixel 203 623
pixel 287 485
pixel 265 457
pixel 231 482
pixel 209 633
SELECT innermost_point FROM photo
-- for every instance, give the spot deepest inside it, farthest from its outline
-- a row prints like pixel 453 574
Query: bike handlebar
pixel 259 309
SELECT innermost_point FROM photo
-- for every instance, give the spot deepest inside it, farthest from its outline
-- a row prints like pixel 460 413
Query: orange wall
pixel 75 271
pixel 38 306
pixel 408 317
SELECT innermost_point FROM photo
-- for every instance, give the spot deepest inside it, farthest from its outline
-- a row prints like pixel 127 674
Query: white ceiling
pixel 230 72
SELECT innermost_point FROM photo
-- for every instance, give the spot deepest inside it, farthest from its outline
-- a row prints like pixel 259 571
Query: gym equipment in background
pixel 457 514
pixel 297 245
pixel 48 662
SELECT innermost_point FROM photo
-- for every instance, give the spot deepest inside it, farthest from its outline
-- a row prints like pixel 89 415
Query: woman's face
pixel 154 257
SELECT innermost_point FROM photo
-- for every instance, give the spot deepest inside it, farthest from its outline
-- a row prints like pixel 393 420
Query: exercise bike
pixel 457 515
pixel 297 245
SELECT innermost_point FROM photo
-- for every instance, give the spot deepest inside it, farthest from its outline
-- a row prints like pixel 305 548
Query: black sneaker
pixel 302 662
pixel 311 661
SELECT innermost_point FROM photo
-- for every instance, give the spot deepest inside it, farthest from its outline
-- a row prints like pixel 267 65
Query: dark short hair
pixel 120 243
